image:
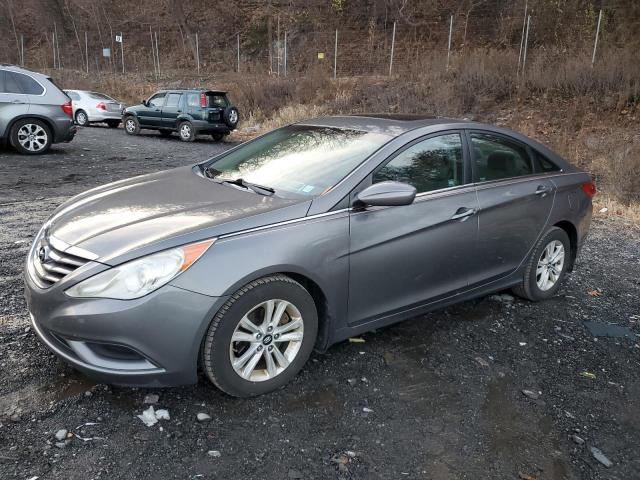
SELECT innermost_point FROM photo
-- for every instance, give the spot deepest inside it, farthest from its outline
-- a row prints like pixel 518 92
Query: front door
pixel 13 102
pixel 514 201
pixel 406 256
pixel 151 114
pixel 171 110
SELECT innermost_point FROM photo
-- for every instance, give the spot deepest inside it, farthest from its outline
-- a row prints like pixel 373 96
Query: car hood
pixel 162 210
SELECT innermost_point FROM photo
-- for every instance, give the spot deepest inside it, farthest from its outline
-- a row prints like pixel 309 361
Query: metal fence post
pixel 238 50
pixel 197 53
pixel 86 49
pixel 526 42
pixel 335 57
pixel 22 50
pixel 122 50
pixel 393 44
pixel 449 43
pixel 284 67
pixel 524 23
pixel 157 54
pixel 595 43
pixel 153 54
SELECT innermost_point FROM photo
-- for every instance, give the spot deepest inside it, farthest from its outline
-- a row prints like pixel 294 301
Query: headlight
pixel 139 277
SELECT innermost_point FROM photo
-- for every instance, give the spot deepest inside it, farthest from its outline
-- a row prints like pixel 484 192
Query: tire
pixel 113 123
pixel 218 350
pixel 231 117
pixel 165 133
pixel 217 136
pixel 554 246
pixel 131 125
pixel 186 131
pixel 30 136
pixel 82 119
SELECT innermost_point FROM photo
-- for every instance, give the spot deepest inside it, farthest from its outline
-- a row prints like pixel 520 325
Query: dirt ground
pixel 437 397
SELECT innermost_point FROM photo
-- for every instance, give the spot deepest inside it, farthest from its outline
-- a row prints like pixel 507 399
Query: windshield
pixel 298 160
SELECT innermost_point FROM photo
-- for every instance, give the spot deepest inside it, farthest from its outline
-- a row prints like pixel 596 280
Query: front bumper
pixel 150 341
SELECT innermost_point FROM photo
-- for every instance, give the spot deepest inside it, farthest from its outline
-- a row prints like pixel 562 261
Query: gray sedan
pixel 301 238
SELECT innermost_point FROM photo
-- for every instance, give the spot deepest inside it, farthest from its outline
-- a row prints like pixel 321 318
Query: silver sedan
pixel 94 107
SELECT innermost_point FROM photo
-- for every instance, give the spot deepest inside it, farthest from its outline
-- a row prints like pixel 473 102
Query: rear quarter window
pixel 28 85
pixel 546 165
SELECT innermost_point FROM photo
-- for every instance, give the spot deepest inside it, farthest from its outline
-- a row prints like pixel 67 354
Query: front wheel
pixel 546 267
pixel 261 337
pixel 131 125
pixel 187 134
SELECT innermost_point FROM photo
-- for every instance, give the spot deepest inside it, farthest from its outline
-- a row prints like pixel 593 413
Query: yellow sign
pixel 320 55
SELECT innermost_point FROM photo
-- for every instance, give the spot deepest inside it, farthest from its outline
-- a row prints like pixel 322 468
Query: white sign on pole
pixel 118 38
pixel 106 52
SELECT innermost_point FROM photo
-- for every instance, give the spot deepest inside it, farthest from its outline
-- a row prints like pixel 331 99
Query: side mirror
pixel 387 194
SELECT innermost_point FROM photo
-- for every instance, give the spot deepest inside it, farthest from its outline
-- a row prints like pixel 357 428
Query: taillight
pixel 67 109
pixel 203 100
pixel 101 106
pixel 589 189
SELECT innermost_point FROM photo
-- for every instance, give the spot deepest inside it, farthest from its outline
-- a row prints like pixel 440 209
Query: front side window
pixel 173 100
pixel 496 157
pixel 431 164
pixel 157 100
pixel 299 160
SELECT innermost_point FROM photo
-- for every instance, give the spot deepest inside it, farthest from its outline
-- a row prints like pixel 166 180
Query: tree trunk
pixel 178 13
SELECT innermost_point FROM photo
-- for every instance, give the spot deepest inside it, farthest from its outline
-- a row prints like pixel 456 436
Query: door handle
pixel 542 190
pixel 463 212
pixel 179 111
pixel 18 101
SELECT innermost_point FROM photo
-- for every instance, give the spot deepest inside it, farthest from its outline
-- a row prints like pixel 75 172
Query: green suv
pixel 188 112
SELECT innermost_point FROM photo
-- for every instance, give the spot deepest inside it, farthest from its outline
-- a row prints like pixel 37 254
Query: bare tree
pixel 178 12
pixel 13 23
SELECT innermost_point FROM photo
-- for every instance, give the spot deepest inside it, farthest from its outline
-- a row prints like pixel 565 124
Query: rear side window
pixel 28 85
pixel 431 164
pixel 217 100
pixel 173 100
pixel 99 96
pixel 496 157
pixel 193 99
pixel 11 83
pixel 546 165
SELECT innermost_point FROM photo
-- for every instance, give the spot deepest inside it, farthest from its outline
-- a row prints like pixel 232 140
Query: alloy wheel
pixel 266 340
pixel 82 119
pixel 32 137
pixel 130 125
pixel 185 131
pixel 550 265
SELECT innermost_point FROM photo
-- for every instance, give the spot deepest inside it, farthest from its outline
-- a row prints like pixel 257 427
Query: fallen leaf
pixel 595 293
pixel 590 375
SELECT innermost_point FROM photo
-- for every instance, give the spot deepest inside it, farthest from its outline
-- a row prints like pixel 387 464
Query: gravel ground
pixel 436 397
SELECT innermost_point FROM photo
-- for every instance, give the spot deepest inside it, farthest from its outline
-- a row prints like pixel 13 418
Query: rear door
pixel 151 115
pixel 409 255
pixel 13 102
pixel 515 203
pixel 171 110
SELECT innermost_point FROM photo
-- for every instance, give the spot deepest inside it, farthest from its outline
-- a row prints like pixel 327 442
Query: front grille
pixel 52 262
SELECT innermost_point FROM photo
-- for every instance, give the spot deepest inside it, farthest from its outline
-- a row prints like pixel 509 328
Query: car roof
pixel 18 69
pixel 397 124
pixel 187 90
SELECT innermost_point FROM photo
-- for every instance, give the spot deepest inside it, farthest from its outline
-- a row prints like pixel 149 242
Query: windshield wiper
pixel 260 189
pixel 212 173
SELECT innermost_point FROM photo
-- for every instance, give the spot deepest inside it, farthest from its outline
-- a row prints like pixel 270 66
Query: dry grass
pixel 588 114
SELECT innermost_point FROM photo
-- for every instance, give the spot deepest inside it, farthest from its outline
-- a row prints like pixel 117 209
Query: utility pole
pixel 595 43
pixel 285 54
pixel 122 50
pixel 198 53
pixel 86 48
pixel 393 44
pixel 22 50
pixel 238 52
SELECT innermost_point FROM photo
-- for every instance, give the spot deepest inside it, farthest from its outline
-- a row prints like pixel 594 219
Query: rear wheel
pixel 113 123
pixel 81 118
pixel 217 136
pixel 547 266
pixel 261 337
pixel 31 136
pixel 131 125
pixel 187 134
